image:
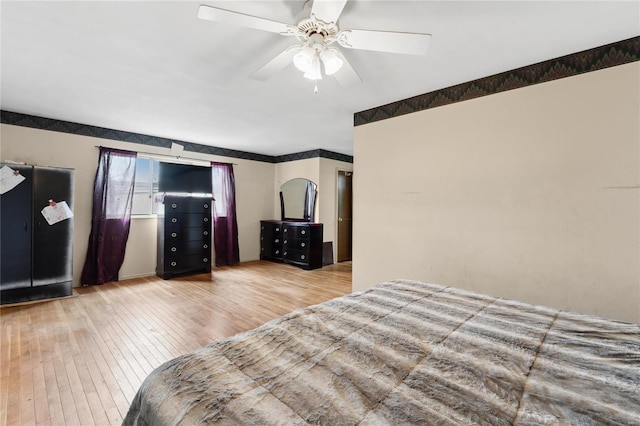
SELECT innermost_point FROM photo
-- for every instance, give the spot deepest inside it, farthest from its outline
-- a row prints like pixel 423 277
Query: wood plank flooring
pixel 80 360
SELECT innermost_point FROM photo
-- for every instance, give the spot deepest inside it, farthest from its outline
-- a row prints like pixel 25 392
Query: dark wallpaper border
pixel 598 58
pixel 43 123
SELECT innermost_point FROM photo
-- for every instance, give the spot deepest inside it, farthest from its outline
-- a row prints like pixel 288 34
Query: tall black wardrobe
pixel 35 257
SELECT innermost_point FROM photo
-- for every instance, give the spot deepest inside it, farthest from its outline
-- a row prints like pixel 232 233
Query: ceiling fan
pixel 317 32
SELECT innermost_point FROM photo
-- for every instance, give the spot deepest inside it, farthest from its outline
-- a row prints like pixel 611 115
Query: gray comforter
pixel 406 352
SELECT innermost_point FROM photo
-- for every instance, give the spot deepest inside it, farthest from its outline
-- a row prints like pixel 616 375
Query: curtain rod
pixel 163 155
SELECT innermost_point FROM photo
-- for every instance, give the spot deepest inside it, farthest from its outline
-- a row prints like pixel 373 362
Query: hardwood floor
pixel 80 360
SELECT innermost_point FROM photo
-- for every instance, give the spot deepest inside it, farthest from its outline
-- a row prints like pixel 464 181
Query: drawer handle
pixel 205 246
pixel 277 240
pixel 174 220
pixel 302 245
pixel 277 251
pixel 173 234
pixel 285 241
pixel 173 263
pixel 303 232
pixel 173 249
pixel 205 260
pixel 284 254
pixel 205 205
pixel 174 205
pixel 302 257
pixel 285 229
pixel 206 219
pixel 205 233
pixel 277 229
pixel 262 249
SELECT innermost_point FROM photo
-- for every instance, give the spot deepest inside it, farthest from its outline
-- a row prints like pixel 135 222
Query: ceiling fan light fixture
pixel 332 63
pixel 304 58
pixel 317 29
pixel 314 72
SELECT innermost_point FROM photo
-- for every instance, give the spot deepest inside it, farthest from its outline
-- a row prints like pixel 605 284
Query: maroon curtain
pixel 112 198
pixel 225 225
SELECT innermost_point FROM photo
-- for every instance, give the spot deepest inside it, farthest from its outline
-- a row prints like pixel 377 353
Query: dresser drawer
pixel 267 237
pixel 187 220
pixel 270 229
pixel 187 262
pixel 301 244
pixel 186 205
pixel 187 234
pixel 276 251
pixel 292 231
pixel 296 255
pixel 182 248
pixel 271 251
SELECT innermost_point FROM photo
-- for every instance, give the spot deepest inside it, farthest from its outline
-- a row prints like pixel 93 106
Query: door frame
pixel 337 198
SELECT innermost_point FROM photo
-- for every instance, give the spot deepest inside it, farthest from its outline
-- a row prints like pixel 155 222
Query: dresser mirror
pixel 298 199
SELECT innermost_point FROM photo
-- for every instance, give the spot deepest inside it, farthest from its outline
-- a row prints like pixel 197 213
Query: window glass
pixel 146 187
pixel 219 193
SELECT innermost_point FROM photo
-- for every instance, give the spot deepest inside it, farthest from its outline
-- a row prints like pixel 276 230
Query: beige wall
pixel 530 194
pixel 140 258
pixel 254 192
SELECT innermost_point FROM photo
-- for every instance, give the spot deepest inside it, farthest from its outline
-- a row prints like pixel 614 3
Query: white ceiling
pixel 155 68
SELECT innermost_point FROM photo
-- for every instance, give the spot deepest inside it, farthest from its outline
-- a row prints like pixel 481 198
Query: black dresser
pixel 184 236
pixel 298 243
pixel 36 258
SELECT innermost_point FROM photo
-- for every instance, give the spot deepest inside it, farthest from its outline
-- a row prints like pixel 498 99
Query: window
pixel 220 199
pixel 146 187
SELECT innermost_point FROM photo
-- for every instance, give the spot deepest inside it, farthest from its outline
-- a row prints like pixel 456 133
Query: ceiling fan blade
pixel 346 75
pixel 276 64
pixel 235 18
pixel 327 11
pixel 385 41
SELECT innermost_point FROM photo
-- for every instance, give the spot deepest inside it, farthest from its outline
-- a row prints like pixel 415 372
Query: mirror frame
pixel 309 205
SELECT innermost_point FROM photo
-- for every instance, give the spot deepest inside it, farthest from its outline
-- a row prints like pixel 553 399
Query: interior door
pixel 52 244
pixel 15 233
pixel 345 203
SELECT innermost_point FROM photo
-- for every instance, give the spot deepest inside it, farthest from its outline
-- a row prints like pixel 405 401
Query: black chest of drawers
pixel 298 243
pixel 184 236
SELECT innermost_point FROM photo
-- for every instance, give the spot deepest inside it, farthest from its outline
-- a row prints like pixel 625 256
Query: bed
pixel 406 352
